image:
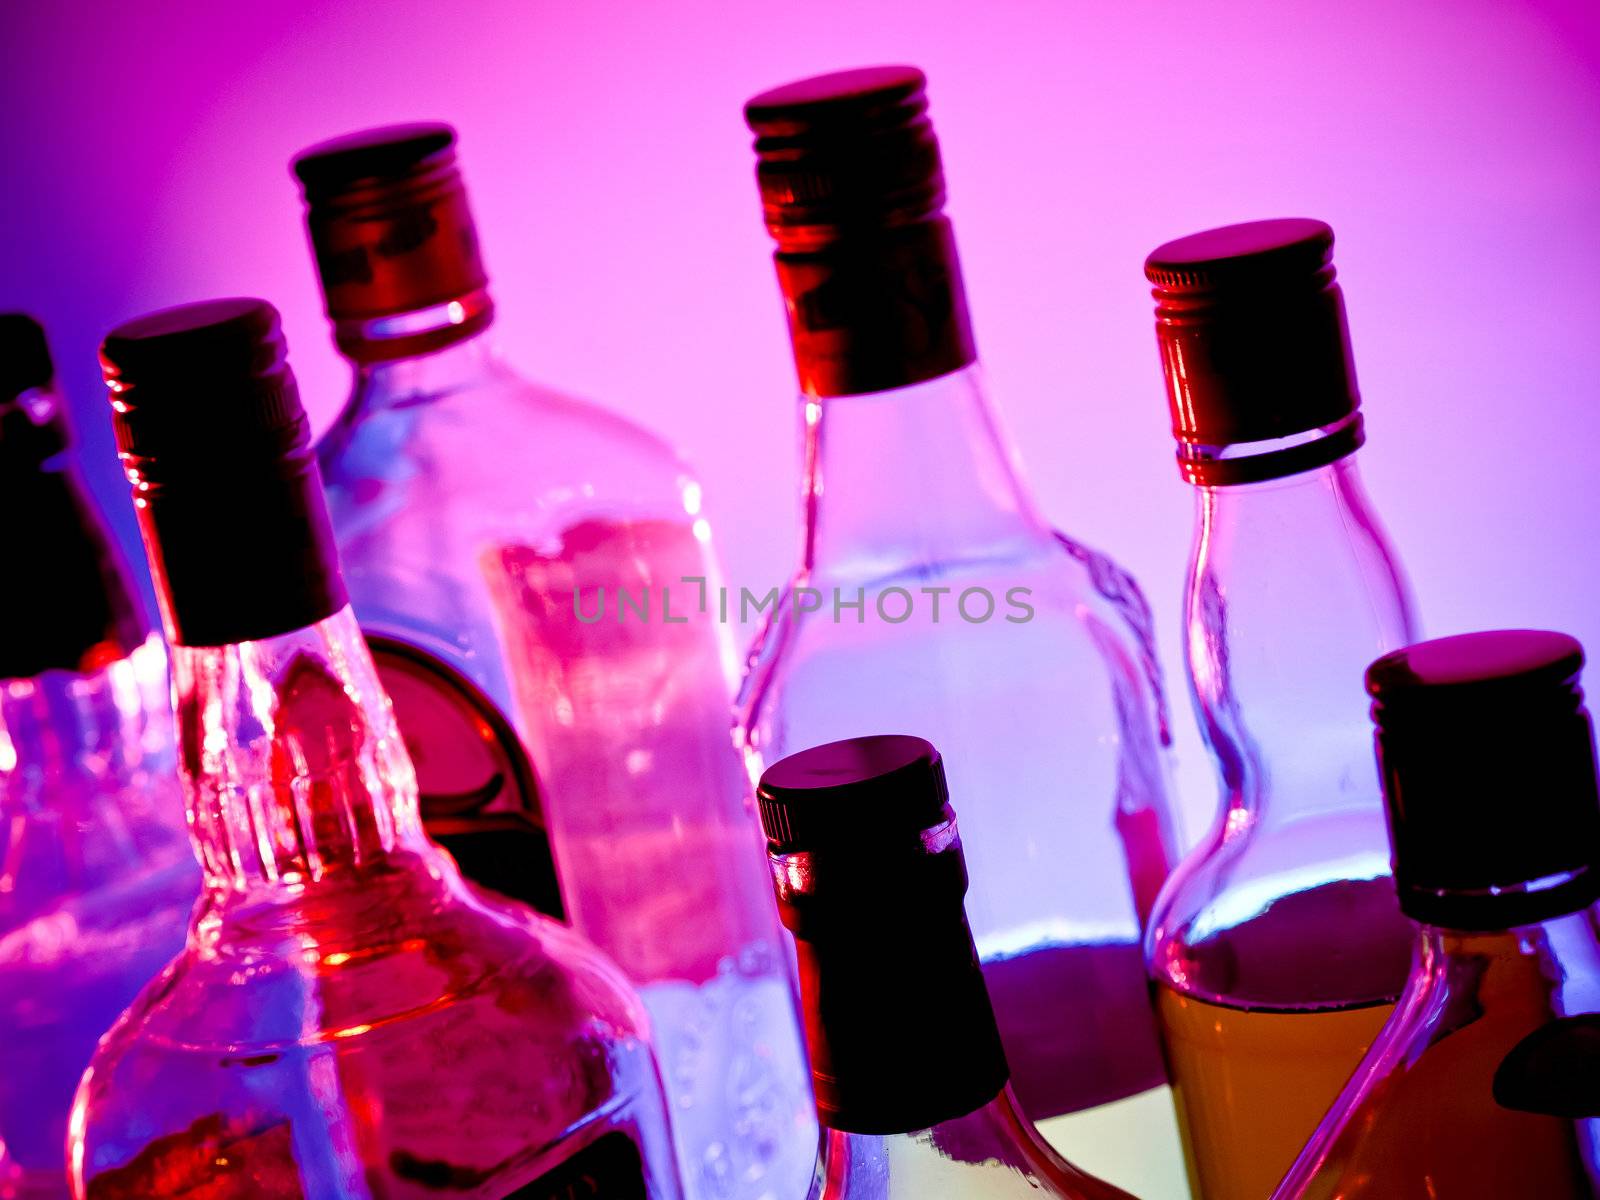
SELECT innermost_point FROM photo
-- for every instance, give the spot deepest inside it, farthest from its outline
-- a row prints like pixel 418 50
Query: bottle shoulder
pixel 504 428
pixel 413 946
pixel 1042 593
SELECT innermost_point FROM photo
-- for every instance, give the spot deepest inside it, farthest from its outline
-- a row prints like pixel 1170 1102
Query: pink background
pixel 1453 144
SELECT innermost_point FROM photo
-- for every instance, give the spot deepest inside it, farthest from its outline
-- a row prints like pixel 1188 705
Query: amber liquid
pixel 1499 1104
pixel 1251 1084
pixel 1308 985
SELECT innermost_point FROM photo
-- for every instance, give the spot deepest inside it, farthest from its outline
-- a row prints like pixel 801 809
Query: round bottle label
pixel 479 795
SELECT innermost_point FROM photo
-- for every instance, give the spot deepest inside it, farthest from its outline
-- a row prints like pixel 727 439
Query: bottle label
pixel 610 1168
pixel 478 791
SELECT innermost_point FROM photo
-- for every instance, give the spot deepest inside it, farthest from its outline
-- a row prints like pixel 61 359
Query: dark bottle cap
pixel 870 880
pixel 70 605
pixel 853 794
pixel 1488 765
pixel 393 237
pixel 33 425
pixel 212 436
pixel 1256 349
pixel 853 148
pixel 852 190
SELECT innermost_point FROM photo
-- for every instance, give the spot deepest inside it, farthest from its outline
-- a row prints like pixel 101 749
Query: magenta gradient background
pixel 1453 144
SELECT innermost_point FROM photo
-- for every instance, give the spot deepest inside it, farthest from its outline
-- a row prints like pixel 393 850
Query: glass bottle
pixel 913 1096
pixel 1483 1084
pixel 524 562
pixel 932 594
pixel 350 1018
pixel 96 881
pixel 1276 947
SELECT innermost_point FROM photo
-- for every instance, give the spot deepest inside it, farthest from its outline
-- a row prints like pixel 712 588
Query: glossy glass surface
pixel 350 1018
pixel 1285 910
pixel 549 551
pixel 96 886
pixel 933 599
pixel 1482 1087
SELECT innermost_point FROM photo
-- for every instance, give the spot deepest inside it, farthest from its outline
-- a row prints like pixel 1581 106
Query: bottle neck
pixel 293 770
pixel 877 935
pixel 1293 589
pixel 376 344
pixel 455 366
pixel 461 365
pixel 917 474
pixel 1558 958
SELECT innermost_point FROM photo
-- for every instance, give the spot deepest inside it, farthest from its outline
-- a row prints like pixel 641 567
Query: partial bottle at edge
pixel 911 1078
pixel 350 1019
pixel 96 878
pixel 1276 947
pixel 1483 1086
pixel 932 595
pixel 529 570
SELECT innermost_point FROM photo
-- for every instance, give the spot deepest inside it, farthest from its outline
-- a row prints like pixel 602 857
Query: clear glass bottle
pixel 870 875
pixel 1483 1085
pixel 350 1018
pixel 96 881
pixel 931 594
pixel 1276 947
pixel 522 559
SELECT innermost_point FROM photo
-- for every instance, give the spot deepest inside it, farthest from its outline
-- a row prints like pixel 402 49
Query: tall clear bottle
pixel 96 881
pixel 1483 1086
pixel 931 594
pixel 1276 948
pixel 913 1096
pixel 349 1018
pixel 528 569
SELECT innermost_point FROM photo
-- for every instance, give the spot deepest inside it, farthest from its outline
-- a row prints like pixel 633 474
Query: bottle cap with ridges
pixel 845 793
pixel 387 214
pixel 202 387
pixel 214 439
pixel 1487 757
pixel 847 149
pixel 1255 348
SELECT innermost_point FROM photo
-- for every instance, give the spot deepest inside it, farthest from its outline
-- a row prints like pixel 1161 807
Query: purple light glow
pixel 1454 147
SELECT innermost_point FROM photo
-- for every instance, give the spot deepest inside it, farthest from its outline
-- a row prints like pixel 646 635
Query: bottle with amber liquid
pixel 350 1019
pixel 1276 948
pixel 910 1075
pixel 1485 1084
pixel 932 593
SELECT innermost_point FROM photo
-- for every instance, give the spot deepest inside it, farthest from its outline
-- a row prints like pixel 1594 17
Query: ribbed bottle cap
pixel 852 793
pixel 1255 348
pixel 201 386
pixel 33 424
pixel 212 434
pixel 389 223
pixel 846 150
pixel 375 158
pixel 1488 764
